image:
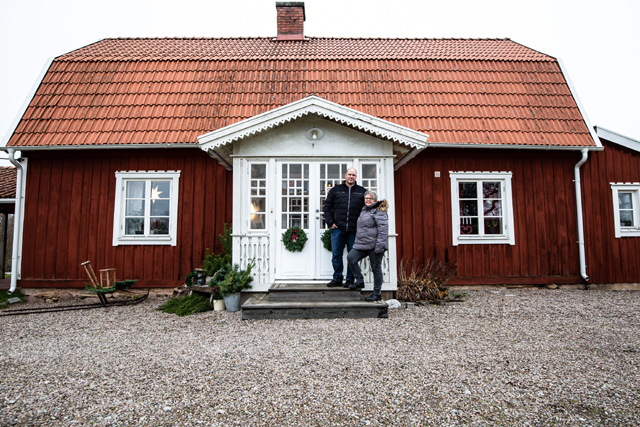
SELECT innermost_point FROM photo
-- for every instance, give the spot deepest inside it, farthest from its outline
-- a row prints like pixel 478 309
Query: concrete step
pixel 262 307
pixel 311 292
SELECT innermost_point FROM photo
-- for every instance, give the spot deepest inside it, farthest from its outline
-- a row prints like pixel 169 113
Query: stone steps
pixel 311 301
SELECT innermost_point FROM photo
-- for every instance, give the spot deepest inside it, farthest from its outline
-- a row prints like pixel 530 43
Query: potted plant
pixel 235 281
pixel 218 301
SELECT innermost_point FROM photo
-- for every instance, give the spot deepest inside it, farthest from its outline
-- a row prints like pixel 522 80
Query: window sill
pixel 628 232
pixel 484 240
pixel 146 240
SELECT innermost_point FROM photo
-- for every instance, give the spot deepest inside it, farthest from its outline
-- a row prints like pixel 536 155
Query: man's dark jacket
pixel 343 205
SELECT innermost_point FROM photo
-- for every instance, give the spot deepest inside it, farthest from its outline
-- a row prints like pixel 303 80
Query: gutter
pixel 17 221
pixel 581 249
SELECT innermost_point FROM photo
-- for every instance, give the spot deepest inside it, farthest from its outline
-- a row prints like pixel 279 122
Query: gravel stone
pixel 537 358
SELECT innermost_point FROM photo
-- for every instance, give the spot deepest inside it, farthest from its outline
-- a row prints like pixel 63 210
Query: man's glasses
pixel 368 198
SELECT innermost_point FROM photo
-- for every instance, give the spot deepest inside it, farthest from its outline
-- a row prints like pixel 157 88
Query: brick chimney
pixel 291 19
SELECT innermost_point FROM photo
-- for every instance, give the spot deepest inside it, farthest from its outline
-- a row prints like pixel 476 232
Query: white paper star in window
pixel 155 194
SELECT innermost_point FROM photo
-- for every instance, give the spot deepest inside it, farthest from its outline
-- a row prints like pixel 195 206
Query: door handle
pixel 317 210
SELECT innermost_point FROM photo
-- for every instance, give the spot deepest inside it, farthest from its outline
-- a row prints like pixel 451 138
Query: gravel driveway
pixel 507 357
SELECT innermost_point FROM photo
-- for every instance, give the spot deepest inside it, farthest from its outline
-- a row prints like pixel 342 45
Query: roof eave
pixel 618 139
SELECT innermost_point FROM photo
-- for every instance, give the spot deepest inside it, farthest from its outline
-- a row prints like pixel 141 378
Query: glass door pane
pixel 331 174
pixel 295 195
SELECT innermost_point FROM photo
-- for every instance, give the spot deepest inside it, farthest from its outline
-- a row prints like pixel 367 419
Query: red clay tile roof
pixel 158 91
pixel 8 182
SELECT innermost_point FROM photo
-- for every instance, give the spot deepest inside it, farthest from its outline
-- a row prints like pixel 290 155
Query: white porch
pixel 284 163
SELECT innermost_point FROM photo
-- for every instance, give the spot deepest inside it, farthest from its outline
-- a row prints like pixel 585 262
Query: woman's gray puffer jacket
pixel 373 228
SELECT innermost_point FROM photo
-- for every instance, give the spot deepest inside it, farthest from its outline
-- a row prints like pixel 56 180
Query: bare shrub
pixel 423 282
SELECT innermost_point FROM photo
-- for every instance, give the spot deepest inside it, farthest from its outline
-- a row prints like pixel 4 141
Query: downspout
pixel 16 222
pixel 576 171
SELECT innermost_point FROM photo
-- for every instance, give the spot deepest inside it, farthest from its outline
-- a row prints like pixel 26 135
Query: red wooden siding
pixel 609 260
pixel 546 249
pixel 69 216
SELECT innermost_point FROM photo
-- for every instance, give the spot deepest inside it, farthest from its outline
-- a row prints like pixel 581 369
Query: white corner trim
pixel 22 201
pixel 583 112
pixel 27 101
pixel 318 106
pixel 118 210
pixel 618 139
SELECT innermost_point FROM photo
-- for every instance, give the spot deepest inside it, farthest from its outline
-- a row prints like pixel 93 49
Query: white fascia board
pixel 26 102
pixel 513 146
pixel 312 105
pixel 618 139
pixel 99 147
pixel 583 112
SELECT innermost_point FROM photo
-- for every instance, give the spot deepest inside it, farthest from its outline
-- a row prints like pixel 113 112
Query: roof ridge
pixel 310 38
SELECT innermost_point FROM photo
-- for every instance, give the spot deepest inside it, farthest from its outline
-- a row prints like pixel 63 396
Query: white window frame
pixel 507 208
pixel 119 238
pixel 634 189
pixel 247 192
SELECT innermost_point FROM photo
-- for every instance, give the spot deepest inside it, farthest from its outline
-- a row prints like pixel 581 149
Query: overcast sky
pixel 598 41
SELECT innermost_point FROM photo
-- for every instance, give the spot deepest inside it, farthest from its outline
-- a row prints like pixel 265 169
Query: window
pixel 626 209
pixel 481 207
pixel 369 178
pixel 146 208
pixel 258 190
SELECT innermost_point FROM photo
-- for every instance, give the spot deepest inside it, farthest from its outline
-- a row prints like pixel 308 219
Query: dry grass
pixel 423 282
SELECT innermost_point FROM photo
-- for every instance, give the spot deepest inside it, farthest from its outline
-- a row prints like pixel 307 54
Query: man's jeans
pixel 355 256
pixel 338 240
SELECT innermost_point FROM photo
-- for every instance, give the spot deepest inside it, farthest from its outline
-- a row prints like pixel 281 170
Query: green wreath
pixel 326 239
pixel 294 239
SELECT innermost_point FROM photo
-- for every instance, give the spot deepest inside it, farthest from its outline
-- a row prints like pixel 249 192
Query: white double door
pixel 302 187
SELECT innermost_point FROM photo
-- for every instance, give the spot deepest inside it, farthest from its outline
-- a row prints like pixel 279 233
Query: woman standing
pixel 372 239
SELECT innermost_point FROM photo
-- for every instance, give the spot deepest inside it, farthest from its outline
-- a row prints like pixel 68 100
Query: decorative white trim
pixel 634 189
pixel 618 139
pixel 118 212
pixel 308 106
pixel 507 208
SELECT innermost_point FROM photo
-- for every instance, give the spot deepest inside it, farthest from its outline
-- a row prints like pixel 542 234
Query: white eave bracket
pixel 216 140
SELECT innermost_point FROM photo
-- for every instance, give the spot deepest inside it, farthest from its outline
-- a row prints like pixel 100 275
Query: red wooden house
pixel 137 151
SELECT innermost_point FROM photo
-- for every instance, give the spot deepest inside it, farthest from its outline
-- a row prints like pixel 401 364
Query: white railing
pixel 255 248
pixel 367 275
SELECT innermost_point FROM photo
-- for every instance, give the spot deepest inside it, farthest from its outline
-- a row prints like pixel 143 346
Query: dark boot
pixel 347 283
pixel 334 283
pixel 357 285
pixel 373 297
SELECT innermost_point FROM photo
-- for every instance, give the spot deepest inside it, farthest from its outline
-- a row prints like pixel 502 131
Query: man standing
pixel 341 211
